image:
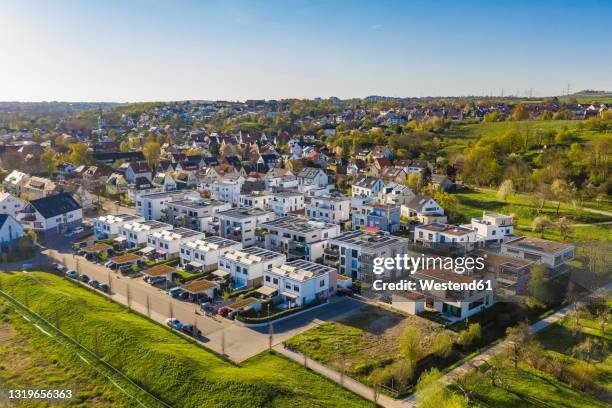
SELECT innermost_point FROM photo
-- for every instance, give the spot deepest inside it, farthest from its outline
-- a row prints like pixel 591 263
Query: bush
pixel 443 345
pixel 469 336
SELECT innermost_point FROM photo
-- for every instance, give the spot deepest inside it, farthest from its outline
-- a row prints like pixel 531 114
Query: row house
pixel 107 226
pixel 203 254
pixel 285 202
pixel 136 232
pixel 194 212
pixel 246 266
pixel 153 206
pixel 300 282
pixel 166 243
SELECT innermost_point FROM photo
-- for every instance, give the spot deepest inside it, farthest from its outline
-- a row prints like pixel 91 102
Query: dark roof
pixel 210 161
pixel 114 156
pixel 55 205
pixel 366 182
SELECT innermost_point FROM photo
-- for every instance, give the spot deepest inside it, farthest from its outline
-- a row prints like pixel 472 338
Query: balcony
pixel 296 251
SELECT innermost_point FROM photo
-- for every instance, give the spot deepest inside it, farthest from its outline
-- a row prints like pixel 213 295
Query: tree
pixel 563 224
pixel 443 345
pixel 124 146
pixel 469 336
pixel 79 154
pixel 447 201
pixel 505 189
pixel 561 191
pixel 410 346
pixel 151 152
pixel 537 286
pixel 48 161
pixel 431 393
pixel 520 112
pixel 413 181
pixel 540 224
pixel 518 337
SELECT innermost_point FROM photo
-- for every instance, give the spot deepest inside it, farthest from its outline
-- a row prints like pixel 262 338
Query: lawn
pixel 176 370
pixel 26 365
pixel 473 202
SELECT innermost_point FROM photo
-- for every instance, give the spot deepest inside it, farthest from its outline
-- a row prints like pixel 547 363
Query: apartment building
pixel 446 235
pixel 204 253
pixel 246 266
pixel 285 202
pixel 300 282
pixel 367 186
pixel 492 228
pixel 384 217
pixel 240 224
pixel 335 210
pixel 153 206
pixel 553 255
pixel 107 226
pixel 255 200
pixel 353 252
pixel 297 237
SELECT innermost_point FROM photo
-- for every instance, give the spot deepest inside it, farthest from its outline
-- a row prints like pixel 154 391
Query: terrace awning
pixel 267 290
pixel 195 264
pixel 290 295
pixel 120 239
pixel 161 251
pixel 146 250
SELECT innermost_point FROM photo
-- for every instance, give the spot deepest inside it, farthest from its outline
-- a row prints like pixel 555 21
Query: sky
pixel 133 50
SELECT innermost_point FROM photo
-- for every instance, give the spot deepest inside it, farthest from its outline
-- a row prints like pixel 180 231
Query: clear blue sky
pixel 173 50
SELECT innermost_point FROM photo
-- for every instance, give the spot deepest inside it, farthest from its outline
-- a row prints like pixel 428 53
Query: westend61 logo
pixel 423 267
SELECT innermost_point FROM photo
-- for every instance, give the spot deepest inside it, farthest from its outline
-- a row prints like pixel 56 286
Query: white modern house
pixel 255 200
pixel 52 214
pixel 492 228
pixel 297 237
pixel 227 190
pixel 153 206
pixel 284 202
pixel 204 253
pixel 15 181
pixel 11 205
pixel 553 255
pixel 246 267
pixel 300 282
pixel 194 212
pixel 240 224
pixel 436 232
pixel 335 210
pixel 136 232
pixel 424 208
pixel 167 242
pixel 311 177
pixel 107 226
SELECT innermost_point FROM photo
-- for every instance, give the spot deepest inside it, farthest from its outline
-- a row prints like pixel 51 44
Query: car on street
pixel 77 230
pixel 94 284
pixel 59 267
pixel 85 278
pixel 105 288
pixel 72 274
pixel 174 323
pixel 191 330
pixel 175 292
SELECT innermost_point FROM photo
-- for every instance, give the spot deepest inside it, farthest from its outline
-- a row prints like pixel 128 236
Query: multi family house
pixel 446 235
pixel 311 178
pixel 332 209
pixel 394 193
pixel 353 252
pixel 11 205
pixel 424 208
pixel 166 243
pixel 297 237
pixel 255 199
pixel 203 254
pixel 553 255
pixel 285 202
pixel 492 228
pixel 153 206
pixel 367 186
pixel 240 224
pixel 246 266
pixel 280 178
pixel 14 182
pixel 194 212
pixel 38 187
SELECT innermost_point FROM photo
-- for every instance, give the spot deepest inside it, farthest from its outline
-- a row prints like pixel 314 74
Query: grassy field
pixel 473 202
pixel 24 364
pixel 169 366
pixel 365 342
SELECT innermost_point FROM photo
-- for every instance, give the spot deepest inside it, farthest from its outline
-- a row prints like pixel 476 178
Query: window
pixel 322 283
pixel 267 278
pixel 275 281
pixel 287 286
pixel 296 288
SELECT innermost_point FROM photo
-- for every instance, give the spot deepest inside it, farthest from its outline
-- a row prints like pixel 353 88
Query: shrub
pixel 443 345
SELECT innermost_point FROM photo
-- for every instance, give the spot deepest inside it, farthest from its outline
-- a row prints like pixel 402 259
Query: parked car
pixel 77 230
pixel 85 278
pixel 94 284
pixel 69 233
pixel 59 267
pixel 174 323
pixel 175 292
pixel 125 268
pixel 72 274
pixel 105 288
pixel 191 330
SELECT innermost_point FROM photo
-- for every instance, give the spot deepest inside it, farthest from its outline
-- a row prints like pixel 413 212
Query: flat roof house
pixel 353 252
pixel 297 237
pixel 493 228
pixel 239 224
pixel 255 199
pixel 52 214
pixel 246 266
pixel 446 235
pixel 204 253
pixel 285 202
pixel 166 243
pixel 153 206
pixel 136 232
pixel 511 274
pixel 107 226
pixel 300 282
pixel 336 210
pixel 194 213
pixel 553 255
